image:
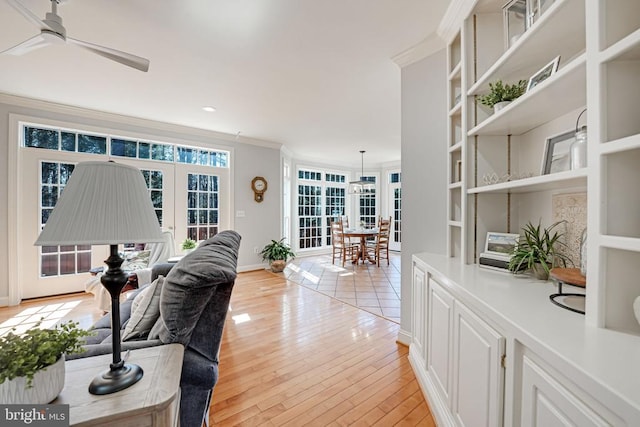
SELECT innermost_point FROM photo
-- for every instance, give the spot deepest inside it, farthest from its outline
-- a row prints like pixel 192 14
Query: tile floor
pixel 367 286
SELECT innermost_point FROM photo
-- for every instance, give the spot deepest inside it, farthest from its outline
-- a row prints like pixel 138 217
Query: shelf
pixel 627 49
pixel 622 243
pixel 562 92
pixel 623 144
pixel 455 224
pixel 549 37
pixel 456 147
pixel 456 110
pixel 455 74
pixel 455 185
pixel 560 180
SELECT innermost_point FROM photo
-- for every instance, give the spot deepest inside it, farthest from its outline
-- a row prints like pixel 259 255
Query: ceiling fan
pixel 53 32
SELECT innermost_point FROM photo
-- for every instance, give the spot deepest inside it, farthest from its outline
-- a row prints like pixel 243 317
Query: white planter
pixel 47 385
pixel 500 105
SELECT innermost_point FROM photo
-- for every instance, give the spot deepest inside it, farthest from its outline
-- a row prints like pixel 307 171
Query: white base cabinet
pixel 494 351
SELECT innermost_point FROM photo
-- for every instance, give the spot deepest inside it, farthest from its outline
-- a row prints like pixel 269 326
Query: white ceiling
pixel 314 75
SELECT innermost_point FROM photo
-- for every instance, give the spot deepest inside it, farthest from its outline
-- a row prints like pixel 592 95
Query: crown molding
pixel 452 20
pixel 430 45
pixel 20 101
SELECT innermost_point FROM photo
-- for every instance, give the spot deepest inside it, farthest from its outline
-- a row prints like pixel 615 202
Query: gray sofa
pixel 193 302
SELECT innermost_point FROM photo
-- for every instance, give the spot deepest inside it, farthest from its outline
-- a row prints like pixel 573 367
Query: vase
pixel 539 272
pixel 277 266
pixel 500 105
pixel 46 386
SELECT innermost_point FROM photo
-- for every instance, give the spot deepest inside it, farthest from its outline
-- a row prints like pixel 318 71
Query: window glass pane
pixel 156 179
pixel 156 198
pixel 144 150
pixel 192 182
pixel 117 147
pixel 49 265
pixel 49 173
pixel 40 138
pixel 203 157
pixel 49 196
pixel 65 172
pixel 162 152
pixel 68 263
pixel 68 141
pixel 192 200
pixel 92 144
pixel 84 262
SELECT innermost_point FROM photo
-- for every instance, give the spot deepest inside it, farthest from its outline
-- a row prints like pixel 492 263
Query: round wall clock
pixel 259 186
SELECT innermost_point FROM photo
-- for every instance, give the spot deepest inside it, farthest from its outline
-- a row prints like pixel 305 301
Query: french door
pixel 395 210
pixel 187 199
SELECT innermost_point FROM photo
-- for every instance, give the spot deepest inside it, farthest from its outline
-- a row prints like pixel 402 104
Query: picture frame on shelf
pixel 557 156
pixel 544 73
pixel 500 244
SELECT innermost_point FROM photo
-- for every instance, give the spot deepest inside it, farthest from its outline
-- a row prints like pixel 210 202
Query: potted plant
pixel 277 253
pixel 188 245
pixel 32 364
pixel 538 250
pixel 500 95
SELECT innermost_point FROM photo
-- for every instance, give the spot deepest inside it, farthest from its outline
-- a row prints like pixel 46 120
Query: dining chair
pixel 379 248
pixel 341 247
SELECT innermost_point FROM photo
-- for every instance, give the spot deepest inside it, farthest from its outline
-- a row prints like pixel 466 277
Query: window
pixel 310 216
pixel 321 200
pixel 58 260
pixel 367 210
pixel 202 206
pixel 74 141
pixel 154 180
pixel 335 202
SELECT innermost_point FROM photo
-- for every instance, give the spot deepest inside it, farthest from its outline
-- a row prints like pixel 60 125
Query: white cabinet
pixel 477 372
pixel 492 360
pixel 464 378
pixel 439 339
pixel 418 300
pixel 546 403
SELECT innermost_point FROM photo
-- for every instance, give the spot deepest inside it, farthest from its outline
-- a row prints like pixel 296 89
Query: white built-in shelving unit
pixel 598 42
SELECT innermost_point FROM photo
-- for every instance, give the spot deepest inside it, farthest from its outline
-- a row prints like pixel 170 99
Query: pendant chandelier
pixel 361 186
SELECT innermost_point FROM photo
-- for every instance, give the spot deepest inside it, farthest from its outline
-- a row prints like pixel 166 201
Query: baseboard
pixel 251 267
pixel 404 337
pixel 439 408
pixel 4 301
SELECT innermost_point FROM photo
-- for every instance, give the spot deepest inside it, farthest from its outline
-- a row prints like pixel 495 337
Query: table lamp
pixel 105 203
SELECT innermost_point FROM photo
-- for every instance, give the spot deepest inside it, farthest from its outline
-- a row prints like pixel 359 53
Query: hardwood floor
pixel 292 356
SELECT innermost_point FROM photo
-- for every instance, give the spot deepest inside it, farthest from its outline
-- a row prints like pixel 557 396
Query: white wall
pixel 261 222
pixel 424 166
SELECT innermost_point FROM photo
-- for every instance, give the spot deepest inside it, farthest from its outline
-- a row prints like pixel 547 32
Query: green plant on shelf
pixel 499 92
pixel 538 249
pixel 188 244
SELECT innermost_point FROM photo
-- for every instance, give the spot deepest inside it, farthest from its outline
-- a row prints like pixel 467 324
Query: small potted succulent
pixel 277 253
pixel 188 245
pixel 32 364
pixel 538 250
pixel 500 95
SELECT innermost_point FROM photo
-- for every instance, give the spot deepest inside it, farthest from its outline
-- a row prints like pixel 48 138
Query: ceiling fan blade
pixel 35 42
pixel 30 16
pixel 127 59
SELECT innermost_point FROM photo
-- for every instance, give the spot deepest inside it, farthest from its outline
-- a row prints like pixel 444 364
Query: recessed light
pixel 209 109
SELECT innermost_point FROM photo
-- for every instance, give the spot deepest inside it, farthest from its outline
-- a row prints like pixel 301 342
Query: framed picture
pixel 500 243
pixel 557 153
pixel 544 73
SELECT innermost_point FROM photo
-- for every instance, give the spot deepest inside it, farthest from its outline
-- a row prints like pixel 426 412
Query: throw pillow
pixel 145 310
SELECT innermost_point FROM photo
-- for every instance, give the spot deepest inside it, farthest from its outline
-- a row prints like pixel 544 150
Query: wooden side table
pixel 152 401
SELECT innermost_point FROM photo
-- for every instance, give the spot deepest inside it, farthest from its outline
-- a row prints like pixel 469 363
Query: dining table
pixel 361 233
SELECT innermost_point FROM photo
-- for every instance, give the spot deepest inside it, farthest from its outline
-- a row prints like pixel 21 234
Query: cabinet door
pixel 418 299
pixel 439 329
pixel 477 370
pixel 547 403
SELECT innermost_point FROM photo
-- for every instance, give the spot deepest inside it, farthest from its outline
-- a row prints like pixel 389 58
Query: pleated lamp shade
pixel 104 203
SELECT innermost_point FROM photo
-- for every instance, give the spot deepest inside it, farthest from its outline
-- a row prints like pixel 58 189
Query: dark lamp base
pixel 113 380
